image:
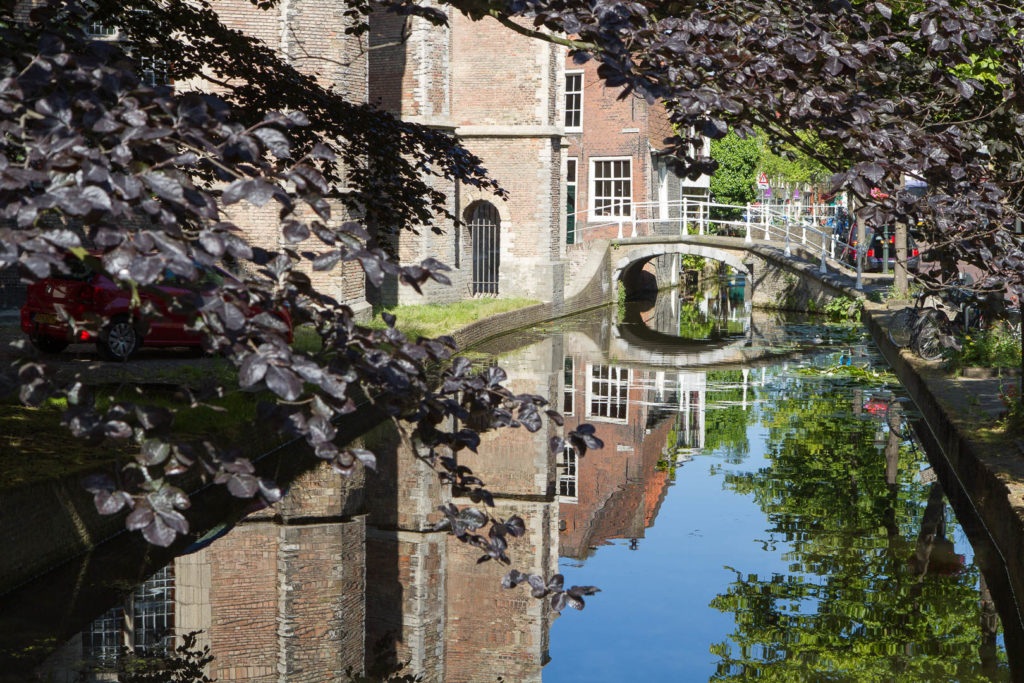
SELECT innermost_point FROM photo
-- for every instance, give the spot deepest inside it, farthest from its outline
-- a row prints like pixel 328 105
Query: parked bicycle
pixel 928 327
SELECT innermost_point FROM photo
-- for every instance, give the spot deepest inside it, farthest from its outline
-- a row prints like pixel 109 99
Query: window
pixel 153 604
pixel 608 393
pixel 103 639
pixel 570 200
pixel 574 100
pixel 485 236
pixel 611 187
pixel 569 388
pixel 567 461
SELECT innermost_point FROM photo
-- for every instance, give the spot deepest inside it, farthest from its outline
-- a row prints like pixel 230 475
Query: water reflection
pixel 751 516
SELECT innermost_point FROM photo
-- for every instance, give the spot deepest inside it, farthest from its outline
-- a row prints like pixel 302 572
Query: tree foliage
pixel 91 156
pixel 134 180
pixel 888 95
pixel 738 162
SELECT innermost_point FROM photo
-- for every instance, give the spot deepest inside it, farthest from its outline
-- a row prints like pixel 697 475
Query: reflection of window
pixel 153 71
pixel 574 100
pixel 607 392
pixel 144 624
pixel 99 30
pixel 611 187
pixel 567 475
pixel 102 640
pixel 569 390
pixel 153 604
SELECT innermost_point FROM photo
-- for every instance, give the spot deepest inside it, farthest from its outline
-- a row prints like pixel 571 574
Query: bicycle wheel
pixel 901 325
pixel 928 337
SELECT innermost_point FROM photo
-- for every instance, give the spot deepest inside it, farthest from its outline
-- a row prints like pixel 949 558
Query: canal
pixel 761 510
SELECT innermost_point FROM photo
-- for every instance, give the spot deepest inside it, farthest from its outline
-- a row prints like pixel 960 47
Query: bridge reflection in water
pixel 344 578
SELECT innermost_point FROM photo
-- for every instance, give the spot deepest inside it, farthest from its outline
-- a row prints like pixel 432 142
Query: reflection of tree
pixel 693 323
pixel 726 418
pixel 873 590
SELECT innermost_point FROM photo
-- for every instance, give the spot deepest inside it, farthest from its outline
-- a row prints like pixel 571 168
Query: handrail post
pixel 685 227
pixel 701 208
pixel 822 268
pixel 789 252
pixel 860 282
pixel 620 227
pixel 748 237
pixel 766 218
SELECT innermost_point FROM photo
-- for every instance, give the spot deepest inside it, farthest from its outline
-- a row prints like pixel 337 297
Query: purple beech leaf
pixel 140 517
pixel 159 533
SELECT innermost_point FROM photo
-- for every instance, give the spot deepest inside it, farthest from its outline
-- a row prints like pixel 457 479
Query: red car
pixel 84 294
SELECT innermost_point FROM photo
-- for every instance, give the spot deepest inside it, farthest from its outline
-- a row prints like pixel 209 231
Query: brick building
pixel 615 168
pixel 499 92
pixel 309 35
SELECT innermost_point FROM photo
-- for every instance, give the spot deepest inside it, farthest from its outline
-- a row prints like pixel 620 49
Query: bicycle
pixel 927 327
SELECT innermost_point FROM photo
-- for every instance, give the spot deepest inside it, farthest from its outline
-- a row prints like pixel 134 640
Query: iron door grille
pixel 484 233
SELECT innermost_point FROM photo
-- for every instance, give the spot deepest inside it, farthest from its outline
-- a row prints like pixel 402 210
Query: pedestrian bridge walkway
pixel 812 233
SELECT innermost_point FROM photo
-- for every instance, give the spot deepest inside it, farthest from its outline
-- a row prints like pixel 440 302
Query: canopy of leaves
pixel 887 95
pixel 97 166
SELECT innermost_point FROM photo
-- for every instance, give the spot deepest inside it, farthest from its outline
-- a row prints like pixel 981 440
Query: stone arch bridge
pixel 774 279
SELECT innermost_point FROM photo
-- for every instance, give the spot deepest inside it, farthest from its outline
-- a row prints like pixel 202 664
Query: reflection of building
pixel 344 574
pixel 614 492
pixel 279 597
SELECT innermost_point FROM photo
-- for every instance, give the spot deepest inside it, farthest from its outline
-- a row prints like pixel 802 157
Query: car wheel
pixel 49 344
pixel 119 339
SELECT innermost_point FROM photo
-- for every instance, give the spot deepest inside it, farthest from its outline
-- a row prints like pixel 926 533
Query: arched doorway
pixel 485 239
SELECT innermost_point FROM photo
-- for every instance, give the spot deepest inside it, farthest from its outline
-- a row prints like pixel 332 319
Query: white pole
pixel 685 228
pixel 789 252
pixel 700 214
pixel 748 238
pixel 620 227
pixel 860 283
pixel 822 268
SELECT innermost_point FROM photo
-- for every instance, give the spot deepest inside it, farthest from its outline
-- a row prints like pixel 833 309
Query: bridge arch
pixel 636 256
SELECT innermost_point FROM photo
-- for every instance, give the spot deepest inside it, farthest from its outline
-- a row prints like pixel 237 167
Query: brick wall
pixel 611 128
pixel 493 632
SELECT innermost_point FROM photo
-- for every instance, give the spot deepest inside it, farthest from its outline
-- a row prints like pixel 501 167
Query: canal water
pixel 760 510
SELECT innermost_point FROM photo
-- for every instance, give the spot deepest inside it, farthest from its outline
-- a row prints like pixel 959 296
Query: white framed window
pixel 574 100
pixel 567 462
pixel 608 393
pixel 611 187
pixel 569 387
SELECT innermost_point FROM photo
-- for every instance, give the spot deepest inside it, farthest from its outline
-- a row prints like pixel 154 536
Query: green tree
pixel 739 159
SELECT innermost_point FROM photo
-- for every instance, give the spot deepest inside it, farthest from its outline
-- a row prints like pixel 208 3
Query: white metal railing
pixel 814 227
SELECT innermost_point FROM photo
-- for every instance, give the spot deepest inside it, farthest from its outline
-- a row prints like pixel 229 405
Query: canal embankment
pixel 961 414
